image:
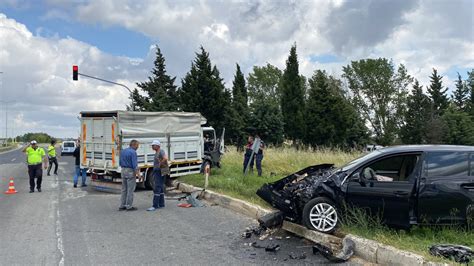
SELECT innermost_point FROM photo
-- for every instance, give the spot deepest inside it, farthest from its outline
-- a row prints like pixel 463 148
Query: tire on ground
pixel 321 202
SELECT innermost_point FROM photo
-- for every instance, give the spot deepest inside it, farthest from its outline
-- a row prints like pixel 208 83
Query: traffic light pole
pixel 108 81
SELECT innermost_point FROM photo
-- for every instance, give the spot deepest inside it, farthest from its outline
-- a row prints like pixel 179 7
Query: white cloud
pixel 420 34
pixel 37 80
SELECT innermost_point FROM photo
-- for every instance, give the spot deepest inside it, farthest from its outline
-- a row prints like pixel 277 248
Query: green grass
pixel 418 239
pixel 276 164
pixel 9 146
pixel 281 162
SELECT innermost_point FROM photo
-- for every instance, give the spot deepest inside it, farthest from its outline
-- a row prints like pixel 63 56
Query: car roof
pixel 425 148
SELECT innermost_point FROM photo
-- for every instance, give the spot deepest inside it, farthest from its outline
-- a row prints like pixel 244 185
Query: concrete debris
pixel 343 255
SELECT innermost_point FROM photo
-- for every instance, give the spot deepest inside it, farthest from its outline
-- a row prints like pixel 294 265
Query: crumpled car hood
pixel 291 193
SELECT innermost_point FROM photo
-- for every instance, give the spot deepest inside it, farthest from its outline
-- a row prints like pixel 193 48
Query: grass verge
pixel 8 147
pixel 281 162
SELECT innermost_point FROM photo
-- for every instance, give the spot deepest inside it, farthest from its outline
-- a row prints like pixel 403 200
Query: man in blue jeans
pixel 160 169
pixel 79 171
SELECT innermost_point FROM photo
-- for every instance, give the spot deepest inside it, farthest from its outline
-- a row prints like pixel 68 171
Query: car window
pixel 365 157
pixel 394 168
pixel 447 164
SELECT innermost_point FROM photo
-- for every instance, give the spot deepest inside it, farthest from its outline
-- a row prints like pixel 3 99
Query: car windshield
pixel 365 157
pixel 68 144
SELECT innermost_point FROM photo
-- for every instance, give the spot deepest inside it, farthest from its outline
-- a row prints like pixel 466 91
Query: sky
pixel 40 40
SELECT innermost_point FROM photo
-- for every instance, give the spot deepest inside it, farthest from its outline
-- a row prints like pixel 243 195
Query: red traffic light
pixel 75 72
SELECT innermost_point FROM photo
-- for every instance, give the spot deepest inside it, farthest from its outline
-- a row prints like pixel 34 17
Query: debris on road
pixel 191 199
pixel 272 248
pixel 294 256
pixel 343 255
pixel 460 254
pixel 271 220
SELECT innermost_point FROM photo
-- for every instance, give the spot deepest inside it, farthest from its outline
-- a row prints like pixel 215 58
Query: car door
pixel 389 194
pixel 446 188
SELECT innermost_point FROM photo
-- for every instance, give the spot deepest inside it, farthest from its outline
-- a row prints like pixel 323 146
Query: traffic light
pixel 75 72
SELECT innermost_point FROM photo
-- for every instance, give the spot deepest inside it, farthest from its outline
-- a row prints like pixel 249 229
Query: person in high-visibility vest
pixel 52 158
pixel 35 157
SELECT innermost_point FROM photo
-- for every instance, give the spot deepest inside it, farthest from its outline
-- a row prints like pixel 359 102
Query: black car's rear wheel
pixel 321 214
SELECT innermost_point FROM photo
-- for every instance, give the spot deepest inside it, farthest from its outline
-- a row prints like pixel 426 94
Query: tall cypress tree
pixel 461 95
pixel 161 93
pixel 470 88
pixel 240 106
pixel 438 93
pixel 292 98
pixel 203 91
pixel 418 112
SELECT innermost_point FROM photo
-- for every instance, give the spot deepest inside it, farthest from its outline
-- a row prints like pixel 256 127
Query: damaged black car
pixel 403 185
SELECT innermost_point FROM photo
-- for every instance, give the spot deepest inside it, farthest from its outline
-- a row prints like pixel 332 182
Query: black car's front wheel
pixel 320 214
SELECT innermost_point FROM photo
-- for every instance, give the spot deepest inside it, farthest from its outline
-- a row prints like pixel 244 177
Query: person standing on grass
pixel 130 172
pixel 78 171
pixel 258 156
pixel 35 156
pixel 52 158
pixel 160 169
pixel 248 152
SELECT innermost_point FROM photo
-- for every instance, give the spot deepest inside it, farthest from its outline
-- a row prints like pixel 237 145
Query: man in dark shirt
pixel 130 171
pixel 79 172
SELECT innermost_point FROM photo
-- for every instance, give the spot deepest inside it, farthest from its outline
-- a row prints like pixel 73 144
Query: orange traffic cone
pixel 11 187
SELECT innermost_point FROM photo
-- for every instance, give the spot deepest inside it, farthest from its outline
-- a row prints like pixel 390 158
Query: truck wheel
pixel 320 214
pixel 150 180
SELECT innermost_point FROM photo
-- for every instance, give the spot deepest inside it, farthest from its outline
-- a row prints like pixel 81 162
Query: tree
pixel 418 112
pixel 379 92
pixel 203 91
pixel 438 93
pixel 39 137
pixel 330 118
pixel 240 106
pixel 459 128
pixel 470 88
pixel 292 98
pixel 264 97
pixel 139 102
pixel 461 95
pixel 161 93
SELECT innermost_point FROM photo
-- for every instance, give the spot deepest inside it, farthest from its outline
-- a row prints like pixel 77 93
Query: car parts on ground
pixel 458 253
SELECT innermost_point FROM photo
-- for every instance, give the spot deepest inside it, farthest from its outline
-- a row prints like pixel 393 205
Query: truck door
pixel 385 188
pixel 446 189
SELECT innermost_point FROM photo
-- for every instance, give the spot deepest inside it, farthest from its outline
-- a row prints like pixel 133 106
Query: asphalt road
pixel 66 225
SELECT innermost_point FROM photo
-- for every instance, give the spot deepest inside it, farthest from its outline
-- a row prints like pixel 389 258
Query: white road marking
pixel 58 231
pixel 14 159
